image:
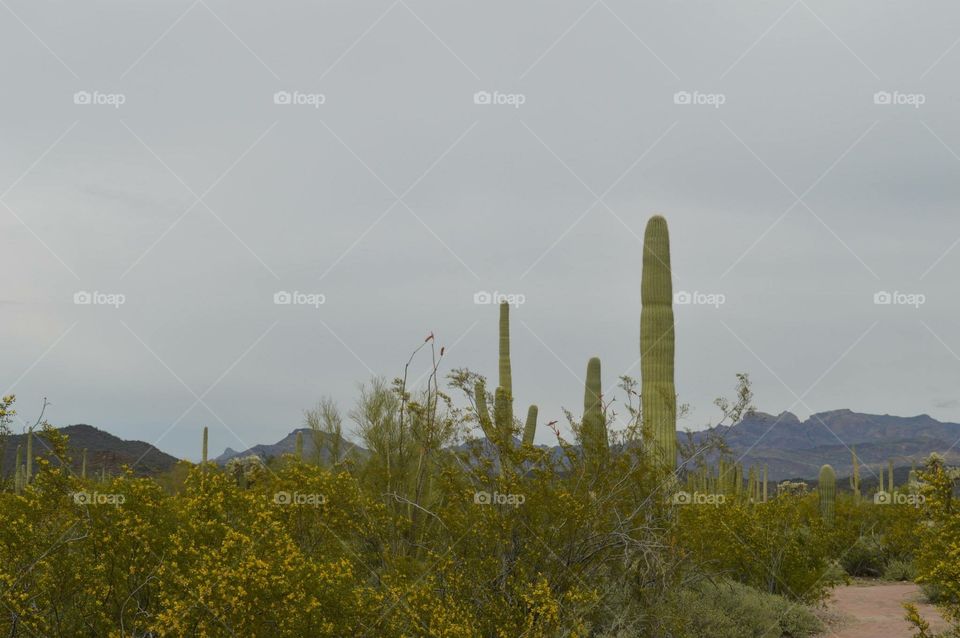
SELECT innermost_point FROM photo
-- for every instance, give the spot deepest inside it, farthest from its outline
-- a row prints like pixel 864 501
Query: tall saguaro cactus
pixel 298 449
pixel 827 488
pixel 205 435
pixel 593 429
pixel 658 392
pixel 506 378
pixel 83 465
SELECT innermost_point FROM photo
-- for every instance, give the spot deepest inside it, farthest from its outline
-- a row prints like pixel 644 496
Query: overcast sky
pixel 146 156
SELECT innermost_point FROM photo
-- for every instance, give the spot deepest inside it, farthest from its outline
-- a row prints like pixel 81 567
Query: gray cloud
pixel 297 198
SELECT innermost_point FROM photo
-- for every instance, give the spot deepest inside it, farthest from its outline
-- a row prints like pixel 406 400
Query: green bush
pixel 898 569
pixel 727 609
pixel 866 557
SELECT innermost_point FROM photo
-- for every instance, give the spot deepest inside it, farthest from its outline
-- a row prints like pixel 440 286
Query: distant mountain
pixel 288 445
pixel 104 450
pixel 796 449
pixel 789 447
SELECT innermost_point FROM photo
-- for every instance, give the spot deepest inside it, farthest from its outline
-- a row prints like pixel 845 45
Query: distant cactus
pixel 764 483
pixel 827 488
pixel 298 449
pixel 19 459
pixel 658 392
pixel 890 485
pixel 83 465
pixel 204 457
pixel 855 477
pixel 530 427
pixel 29 470
pixel 593 429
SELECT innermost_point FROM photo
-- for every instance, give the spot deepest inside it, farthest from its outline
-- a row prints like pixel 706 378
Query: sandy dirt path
pixel 875 610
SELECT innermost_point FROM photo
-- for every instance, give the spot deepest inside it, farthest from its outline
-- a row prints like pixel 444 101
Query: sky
pixel 172 172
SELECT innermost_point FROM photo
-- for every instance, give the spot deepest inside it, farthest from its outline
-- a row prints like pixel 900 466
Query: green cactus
pixel 483 414
pixel 530 427
pixel 890 485
pixel 855 477
pixel 29 470
pixel 204 456
pixel 298 450
pixel 593 429
pixel 506 378
pixel 19 459
pixel 764 483
pixel 658 392
pixel 18 480
pixel 83 465
pixel 827 488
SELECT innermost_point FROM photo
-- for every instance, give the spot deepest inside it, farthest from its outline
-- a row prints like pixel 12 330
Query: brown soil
pixel 875 610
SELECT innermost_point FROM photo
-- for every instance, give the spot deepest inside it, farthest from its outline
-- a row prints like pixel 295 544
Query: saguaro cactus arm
pixel 530 427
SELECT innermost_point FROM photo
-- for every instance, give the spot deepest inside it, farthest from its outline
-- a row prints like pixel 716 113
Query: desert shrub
pixel 898 569
pixel 939 538
pixel 727 609
pixel 780 547
pixel 866 557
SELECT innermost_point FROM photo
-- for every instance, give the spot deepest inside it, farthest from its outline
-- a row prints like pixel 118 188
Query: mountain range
pixel 789 447
pixel 104 452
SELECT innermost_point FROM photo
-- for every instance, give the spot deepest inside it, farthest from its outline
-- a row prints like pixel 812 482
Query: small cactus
pixel 530 427
pixel 593 429
pixel 827 488
pixel 204 455
pixel 855 477
pixel 83 465
pixel 29 469
pixel 299 446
